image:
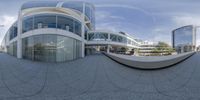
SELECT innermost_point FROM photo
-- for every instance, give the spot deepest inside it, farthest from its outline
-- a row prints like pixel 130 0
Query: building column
pixel 108 37
pixel 193 38
pixel 108 49
pixel 19 40
pixel 83 32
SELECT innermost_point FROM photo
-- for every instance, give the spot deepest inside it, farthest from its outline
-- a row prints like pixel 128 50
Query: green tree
pixel 163 48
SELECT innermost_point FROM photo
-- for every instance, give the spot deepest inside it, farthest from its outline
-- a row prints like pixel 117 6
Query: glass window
pixel 49 21
pixel 119 38
pixel 44 21
pixel 98 36
pixel 27 24
pixel 86 33
pixel 77 28
pixel 89 12
pixel 113 37
pixel 27 48
pixel 13 31
pixel 51 48
pixel 12 49
pixel 183 38
pixel 65 23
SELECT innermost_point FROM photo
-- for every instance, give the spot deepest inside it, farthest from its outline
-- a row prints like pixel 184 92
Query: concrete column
pixel 108 49
pixel 108 37
pixel 194 38
pixel 83 32
pixel 19 40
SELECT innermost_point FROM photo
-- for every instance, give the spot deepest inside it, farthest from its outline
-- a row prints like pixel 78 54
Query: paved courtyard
pixel 96 78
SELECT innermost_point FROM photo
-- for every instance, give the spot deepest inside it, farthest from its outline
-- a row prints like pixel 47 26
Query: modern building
pixel 146 48
pixel 184 39
pixel 110 42
pixel 57 31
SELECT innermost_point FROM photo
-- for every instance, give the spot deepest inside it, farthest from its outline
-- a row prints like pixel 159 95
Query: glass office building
pixel 183 39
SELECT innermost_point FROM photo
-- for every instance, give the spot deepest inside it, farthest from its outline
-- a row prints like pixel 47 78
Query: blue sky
pixel 151 20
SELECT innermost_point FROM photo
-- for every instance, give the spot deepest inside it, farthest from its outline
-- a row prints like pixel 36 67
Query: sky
pixel 151 20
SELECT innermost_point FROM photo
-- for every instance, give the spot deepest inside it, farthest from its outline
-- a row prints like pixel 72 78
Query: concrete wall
pixel 149 62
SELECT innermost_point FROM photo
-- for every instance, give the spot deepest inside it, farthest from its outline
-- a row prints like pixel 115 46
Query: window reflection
pixel 12 49
pixel 13 31
pixel 97 36
pixel 51 48
pixel 49 21
pixel 183 38
pixel 27 24
pixel 44 21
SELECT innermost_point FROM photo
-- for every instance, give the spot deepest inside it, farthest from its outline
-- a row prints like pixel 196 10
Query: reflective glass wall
pixel 183 39
pixel 78 5
pixel 51 21
pixel 90 13
pixel 12 49
pixel 51 48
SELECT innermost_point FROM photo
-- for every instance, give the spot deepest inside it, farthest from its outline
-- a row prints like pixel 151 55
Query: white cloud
pixel 104 15
pixel 162 34
pixel 108 21
pixel 6 21
pixel 110 26
pixel 188 19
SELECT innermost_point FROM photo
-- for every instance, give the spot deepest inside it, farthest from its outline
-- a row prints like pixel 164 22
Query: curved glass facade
pixel 77 5
pixel 74 5
pixel 51 48
pixel 90 13
pixel 51 21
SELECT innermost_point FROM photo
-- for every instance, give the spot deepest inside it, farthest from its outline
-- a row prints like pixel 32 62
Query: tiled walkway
pixel 96 78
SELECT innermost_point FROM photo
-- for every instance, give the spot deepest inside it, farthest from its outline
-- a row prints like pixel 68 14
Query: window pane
pixel 45 21
pixel 27 24
pixel 13 31
pixel 65 23
pixel 78 28
pixel 50 48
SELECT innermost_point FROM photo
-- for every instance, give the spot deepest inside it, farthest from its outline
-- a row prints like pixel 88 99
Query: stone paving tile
pixel 96 78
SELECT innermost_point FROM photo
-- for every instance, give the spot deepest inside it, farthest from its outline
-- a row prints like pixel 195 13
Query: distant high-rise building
pixel 184 39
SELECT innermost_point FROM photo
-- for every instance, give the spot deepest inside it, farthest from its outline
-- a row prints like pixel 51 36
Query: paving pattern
pixel 96 77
